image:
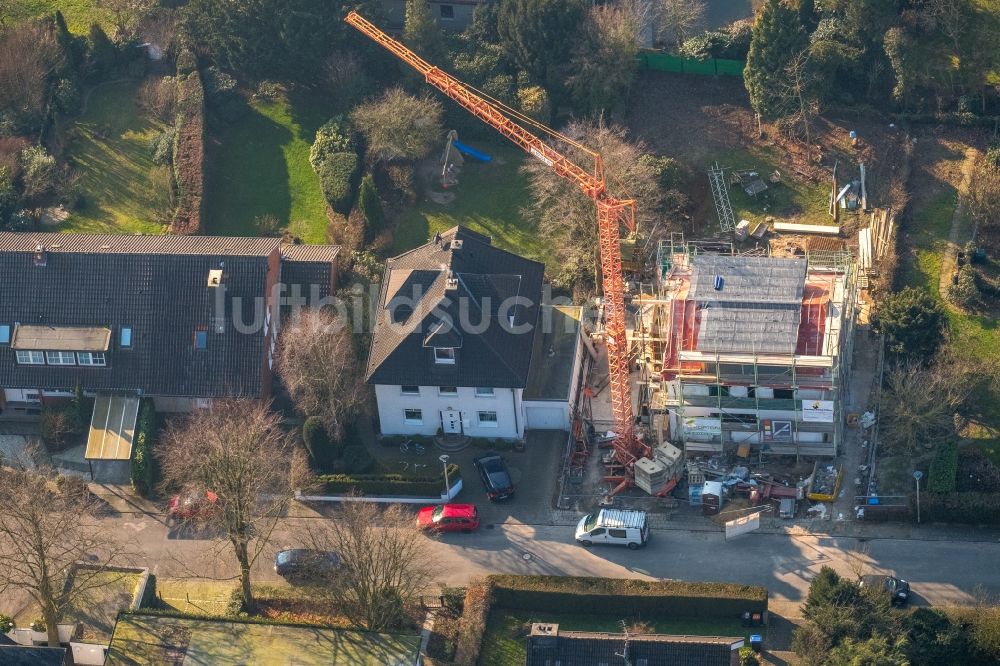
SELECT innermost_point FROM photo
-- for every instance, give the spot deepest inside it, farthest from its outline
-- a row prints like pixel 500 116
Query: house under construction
pixel 749 353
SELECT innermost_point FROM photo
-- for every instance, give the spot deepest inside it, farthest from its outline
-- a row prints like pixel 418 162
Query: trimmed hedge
pixel 965 508
pixel 387 484
pixel 475 614
pixel 944 468
pixel 189 155
pixel 337 176
pixel 627 597
pixel 144 468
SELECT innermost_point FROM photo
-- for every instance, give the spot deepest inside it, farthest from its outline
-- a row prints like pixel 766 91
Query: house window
pixel 414 416
pixel 448 390
pixel 94 359
pixel 30 357
pixel 201 339
pixel 484 391
pixel 4 335
pixel 60 358
pixel 125 339
pixel 410 390
pixel 488 419
pixel 444 355
pixel 447 12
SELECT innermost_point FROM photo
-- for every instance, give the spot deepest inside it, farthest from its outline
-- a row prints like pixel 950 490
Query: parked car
pixel 304 562
pixel 449 518
pixel 193 505
pixel 897 588
pixel 619 527
pixel 496 478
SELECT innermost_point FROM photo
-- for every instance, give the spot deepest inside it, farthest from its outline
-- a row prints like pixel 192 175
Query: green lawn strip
pixel 260 166
pixel 791 200
pixel 108 146
pixel 79 14
pixel 505 641
pixel 489 198
pixel 191 595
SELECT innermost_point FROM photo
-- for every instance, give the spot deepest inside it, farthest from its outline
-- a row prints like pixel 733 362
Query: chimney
pixel 456 244
pixel 544 636
pixel 41 257
pixel 451 282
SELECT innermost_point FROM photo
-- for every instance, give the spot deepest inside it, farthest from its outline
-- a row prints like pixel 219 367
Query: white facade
pixel 476 412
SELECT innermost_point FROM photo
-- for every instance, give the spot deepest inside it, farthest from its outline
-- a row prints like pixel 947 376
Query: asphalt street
pixel 942 572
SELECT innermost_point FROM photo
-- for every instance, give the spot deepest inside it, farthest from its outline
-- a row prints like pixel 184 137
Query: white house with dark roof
pixel 459 343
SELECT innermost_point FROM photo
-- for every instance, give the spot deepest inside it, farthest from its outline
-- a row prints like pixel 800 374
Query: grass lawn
pixel 259 165
pixel 791 200
pixel 79 14
pixel 123 191
pixel 97 607
pixel 489 200
pixel 506 631
pixel 191 595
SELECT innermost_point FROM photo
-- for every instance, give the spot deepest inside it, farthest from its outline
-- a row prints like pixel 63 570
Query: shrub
pixel 976 472
pixel 475 613
pixel 627 597
pixel 6 623
pixel 161 146
pixel 965 293
pixel 748 657
pixel 38 171
pixel 144 468
pixel 187 62
pixel 534 103
pixel 72 485
pixel 333 137
pixel 67 96
pixel 944 466
pixel 371 207
pixel 59 424
pixel 269 90
pixel 157 96
pixel 189 155
pixel 357 459
pixel 336 177
pixel 38 624
pixel 317 441
pixel 388 484
pixel 965 508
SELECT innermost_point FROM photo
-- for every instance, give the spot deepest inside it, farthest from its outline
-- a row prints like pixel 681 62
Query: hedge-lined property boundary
pixel 388 484
pixel 144 471
pixel 965 508
pixel 601 596
pixel 189 154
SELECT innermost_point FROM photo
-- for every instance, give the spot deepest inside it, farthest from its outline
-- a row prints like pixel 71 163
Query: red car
pixel 449 518
pixel 193 505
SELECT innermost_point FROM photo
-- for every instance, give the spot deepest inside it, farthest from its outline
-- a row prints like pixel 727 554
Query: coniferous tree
pixel 776 39
pixel 421 33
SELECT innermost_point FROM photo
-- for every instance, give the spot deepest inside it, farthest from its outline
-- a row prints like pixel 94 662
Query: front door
pixel 451 421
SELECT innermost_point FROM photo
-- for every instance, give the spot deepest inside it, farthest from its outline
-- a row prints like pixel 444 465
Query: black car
pixel 493 471
pixel 897 588
pixel 305 563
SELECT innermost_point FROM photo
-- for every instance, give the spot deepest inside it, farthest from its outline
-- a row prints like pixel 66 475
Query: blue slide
pixel 471 152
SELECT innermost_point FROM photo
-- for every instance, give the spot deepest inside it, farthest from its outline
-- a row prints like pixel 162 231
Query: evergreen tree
pixel 421 32
pixel 371 207
pixel 776 39
pixel 103 53
pixel 67 41
pixel 538 35
pixel 807 15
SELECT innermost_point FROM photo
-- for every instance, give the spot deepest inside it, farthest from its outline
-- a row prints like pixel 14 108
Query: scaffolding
pixel 754 394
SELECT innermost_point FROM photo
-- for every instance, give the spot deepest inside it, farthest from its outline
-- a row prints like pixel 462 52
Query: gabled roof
pixel 460 292
pixel 592 648
pixel 26 655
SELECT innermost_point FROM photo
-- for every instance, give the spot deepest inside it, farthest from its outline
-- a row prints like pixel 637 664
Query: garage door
pixel 545 418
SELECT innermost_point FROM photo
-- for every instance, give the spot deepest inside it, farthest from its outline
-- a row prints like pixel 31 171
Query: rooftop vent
pixel 41 257
pixel 215 277
pixel 544 636
pixel 451 282
pixel 718 283
pixel 456 244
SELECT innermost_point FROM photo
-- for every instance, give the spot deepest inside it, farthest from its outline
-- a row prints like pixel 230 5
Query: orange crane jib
pixel 611 214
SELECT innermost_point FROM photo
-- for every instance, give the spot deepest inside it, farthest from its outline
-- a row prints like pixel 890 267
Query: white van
pixel 614 526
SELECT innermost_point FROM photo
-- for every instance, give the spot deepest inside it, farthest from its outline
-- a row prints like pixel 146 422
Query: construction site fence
pixel 657 61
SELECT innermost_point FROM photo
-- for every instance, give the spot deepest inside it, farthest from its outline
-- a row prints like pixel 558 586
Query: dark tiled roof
pixel 580 648
pixel 112 244
pixel 163 298
pixel 297 252
pixel 438 282
pixel 21 655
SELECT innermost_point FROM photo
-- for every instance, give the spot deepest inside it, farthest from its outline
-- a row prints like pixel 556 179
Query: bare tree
pixel 604 62
pixel 44 531
pixel 238 451
pixel 321 367
pixel 951 17
pixel 800 92
pixel 29 54
pixel 386 561
pixel 859 560
pixel 567 218
pixel 984 194
pixel 400 126
pixel 679 19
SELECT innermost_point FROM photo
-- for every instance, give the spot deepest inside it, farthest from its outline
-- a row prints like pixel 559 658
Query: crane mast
pixel 611 214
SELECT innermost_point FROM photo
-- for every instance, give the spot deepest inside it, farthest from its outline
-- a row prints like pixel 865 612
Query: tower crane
pixel 612 213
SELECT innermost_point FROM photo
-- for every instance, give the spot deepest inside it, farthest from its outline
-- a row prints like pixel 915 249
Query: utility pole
pixel 917 476
pixel 447 487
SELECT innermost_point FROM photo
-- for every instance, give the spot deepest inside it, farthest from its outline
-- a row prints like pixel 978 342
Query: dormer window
pixel 444 355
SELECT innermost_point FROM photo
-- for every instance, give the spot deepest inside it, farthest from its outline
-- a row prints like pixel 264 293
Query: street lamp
pixel 444 461
pixel 917 476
